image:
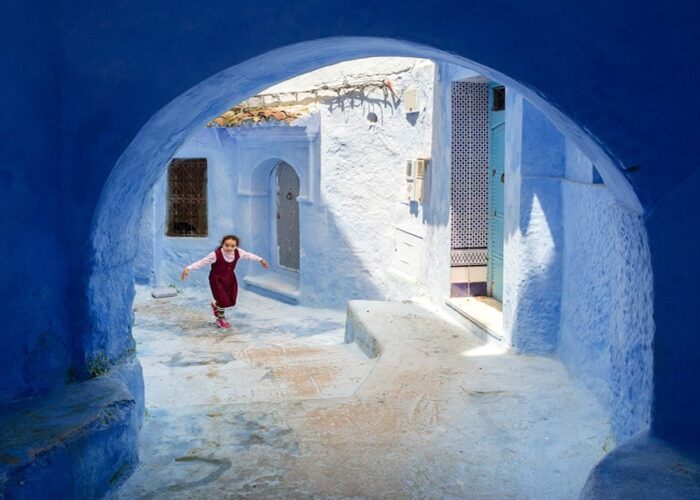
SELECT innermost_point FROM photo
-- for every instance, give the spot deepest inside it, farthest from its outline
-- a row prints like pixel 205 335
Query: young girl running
pixel 222 277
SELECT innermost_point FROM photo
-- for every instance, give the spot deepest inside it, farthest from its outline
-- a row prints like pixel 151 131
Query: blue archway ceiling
pixel 604 65
pixel 621 70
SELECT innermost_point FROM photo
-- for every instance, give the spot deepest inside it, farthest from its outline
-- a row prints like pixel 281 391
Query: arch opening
pixel 542 132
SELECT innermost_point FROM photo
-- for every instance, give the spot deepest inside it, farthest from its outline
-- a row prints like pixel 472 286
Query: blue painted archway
pixel 620 71
pixel 144 161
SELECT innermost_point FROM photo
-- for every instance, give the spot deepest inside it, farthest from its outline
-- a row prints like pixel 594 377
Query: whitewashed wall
pixel 348 232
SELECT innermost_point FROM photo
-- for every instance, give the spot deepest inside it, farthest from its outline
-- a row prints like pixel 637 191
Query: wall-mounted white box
pixel 408 251
pixel 411 100
pixel 415 174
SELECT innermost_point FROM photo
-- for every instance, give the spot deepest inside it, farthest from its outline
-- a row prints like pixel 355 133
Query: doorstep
pixel 484 312
pixel 275 286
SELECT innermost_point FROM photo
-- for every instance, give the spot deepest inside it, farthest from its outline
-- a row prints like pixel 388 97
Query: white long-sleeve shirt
pixel 228 257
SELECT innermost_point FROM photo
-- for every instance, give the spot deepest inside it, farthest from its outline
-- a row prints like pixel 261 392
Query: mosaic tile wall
pixel 470 157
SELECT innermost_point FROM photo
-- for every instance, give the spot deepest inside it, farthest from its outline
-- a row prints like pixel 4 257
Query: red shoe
pixel 222 323
pixel 214 310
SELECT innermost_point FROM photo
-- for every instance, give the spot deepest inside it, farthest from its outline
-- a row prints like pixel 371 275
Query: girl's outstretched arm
pixel 251 256
pixel 209 259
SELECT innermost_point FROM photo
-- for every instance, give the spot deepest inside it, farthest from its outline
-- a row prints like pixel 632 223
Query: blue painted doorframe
pixel 497 116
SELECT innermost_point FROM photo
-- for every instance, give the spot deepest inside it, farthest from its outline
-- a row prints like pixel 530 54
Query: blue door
pixel 287 217
pixel 497 118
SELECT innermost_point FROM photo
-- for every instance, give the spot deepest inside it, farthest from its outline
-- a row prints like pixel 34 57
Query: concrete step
pixel 80 438
pixel 484 312
pixel 274 286
pixel 400 329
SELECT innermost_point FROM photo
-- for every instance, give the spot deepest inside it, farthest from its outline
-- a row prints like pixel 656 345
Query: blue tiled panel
pixel 469 194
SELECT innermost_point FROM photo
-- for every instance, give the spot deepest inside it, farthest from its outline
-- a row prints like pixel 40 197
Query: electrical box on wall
pixel 408 251
pixel 411 100
pixel 415 176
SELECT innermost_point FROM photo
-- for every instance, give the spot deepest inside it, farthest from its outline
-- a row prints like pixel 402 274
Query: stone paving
pixel 267 358
pixel 280 407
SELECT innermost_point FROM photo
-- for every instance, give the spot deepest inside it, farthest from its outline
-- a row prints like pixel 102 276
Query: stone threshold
pixel 275 286
pixel 484 312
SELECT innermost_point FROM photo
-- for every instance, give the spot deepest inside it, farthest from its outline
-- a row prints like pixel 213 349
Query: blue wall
pixel 534 231
pixel 91 74
pixel 37 343
pixel 607 325
pixel 578 280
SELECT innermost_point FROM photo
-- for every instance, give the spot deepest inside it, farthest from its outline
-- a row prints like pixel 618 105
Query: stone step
pixel 274 286
pixel 80 438
pixel 484 312
pixel 379 327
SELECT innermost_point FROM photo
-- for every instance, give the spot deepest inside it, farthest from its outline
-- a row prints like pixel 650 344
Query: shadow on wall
pixel 355 99
pixel 536 232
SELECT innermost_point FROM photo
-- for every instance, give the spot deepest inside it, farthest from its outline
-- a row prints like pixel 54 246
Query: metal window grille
pixel 187 197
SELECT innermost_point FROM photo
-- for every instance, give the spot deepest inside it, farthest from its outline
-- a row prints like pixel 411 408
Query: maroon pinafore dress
pixel 222 280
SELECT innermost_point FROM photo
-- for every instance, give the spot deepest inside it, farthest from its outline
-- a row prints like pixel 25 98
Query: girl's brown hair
pixel 230 237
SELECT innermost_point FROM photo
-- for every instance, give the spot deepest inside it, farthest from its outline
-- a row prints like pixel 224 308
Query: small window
pixel 187 197
pixel 499 98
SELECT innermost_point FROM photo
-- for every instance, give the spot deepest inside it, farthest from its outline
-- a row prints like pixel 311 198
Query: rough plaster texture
pixel 606 323
pixel 534 225
pixel 463 419
pixel 577 274
pixel 633 325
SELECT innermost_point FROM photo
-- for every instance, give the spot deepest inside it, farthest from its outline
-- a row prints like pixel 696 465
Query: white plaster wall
pixel 348 225
pixel 362 181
